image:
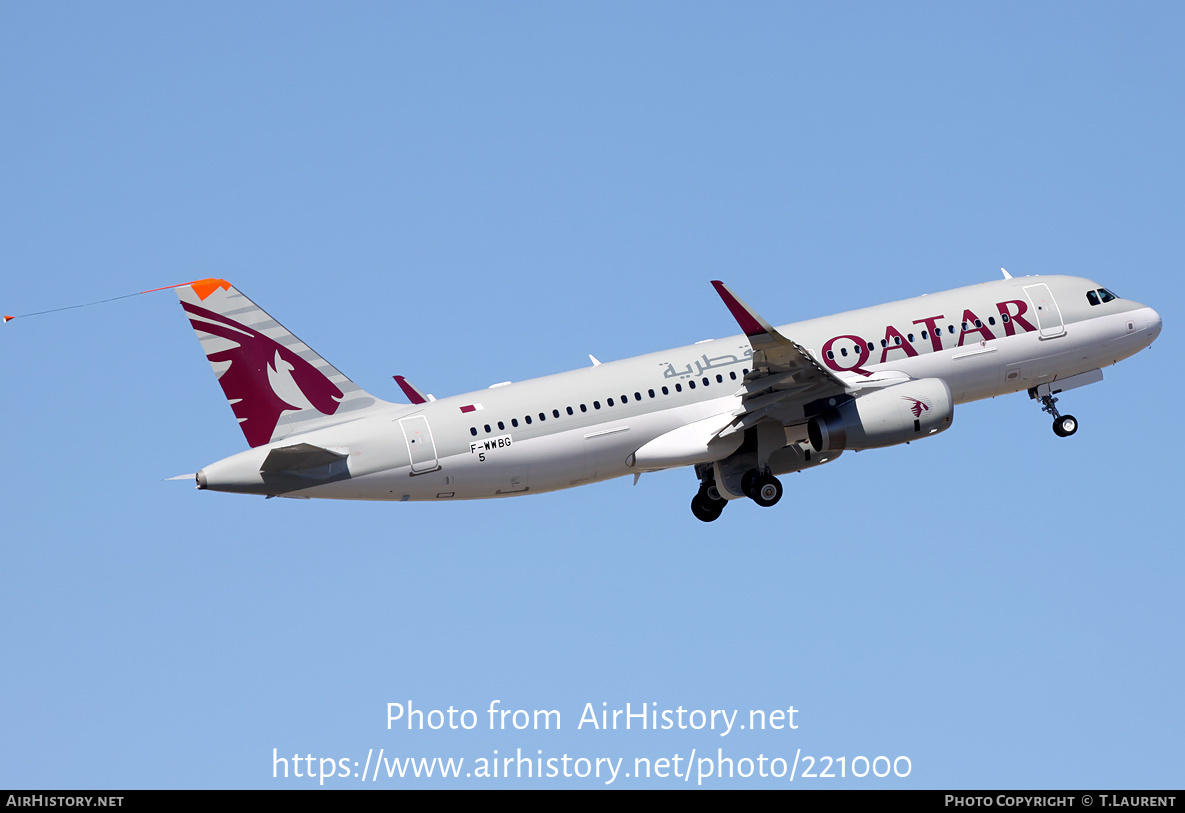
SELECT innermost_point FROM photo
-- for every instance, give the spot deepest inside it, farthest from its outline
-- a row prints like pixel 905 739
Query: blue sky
pixel 472 193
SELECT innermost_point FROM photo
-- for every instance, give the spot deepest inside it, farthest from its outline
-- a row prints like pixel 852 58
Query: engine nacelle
pixel 884 417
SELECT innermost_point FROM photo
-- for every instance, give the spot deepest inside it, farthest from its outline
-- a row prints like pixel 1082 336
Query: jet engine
pixel 883 417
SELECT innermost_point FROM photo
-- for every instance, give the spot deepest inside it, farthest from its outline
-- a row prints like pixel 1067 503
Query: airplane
pixel 740 411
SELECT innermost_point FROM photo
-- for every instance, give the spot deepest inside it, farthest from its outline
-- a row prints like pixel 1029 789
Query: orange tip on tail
pixel 202 287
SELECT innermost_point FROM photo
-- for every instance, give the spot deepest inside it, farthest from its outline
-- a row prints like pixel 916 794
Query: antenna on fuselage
pixel 1006 274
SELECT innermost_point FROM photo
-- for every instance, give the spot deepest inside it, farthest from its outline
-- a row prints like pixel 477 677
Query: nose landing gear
pixel 1063 425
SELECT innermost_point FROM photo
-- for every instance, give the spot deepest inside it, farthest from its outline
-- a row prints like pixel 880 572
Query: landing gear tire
pixel 707 505
pixel 747 481
pixel 766 490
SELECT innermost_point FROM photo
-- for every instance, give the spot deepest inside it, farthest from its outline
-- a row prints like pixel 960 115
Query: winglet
pixel 413 395
pixel 750 322
pixel 761 333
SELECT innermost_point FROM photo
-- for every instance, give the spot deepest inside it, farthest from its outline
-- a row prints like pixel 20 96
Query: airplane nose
pixel 1151 320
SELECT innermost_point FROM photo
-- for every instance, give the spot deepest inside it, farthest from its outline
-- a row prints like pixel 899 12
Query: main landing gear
pixel 761 487
pixel 707 504
pixel 1063 425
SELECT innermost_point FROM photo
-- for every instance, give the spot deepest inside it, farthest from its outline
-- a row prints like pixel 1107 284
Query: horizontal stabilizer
pixel 299 457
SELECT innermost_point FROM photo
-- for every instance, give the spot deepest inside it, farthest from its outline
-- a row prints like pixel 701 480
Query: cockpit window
pixel 1100 296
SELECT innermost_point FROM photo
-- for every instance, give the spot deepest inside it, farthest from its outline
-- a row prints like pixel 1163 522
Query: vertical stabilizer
pixel 275 383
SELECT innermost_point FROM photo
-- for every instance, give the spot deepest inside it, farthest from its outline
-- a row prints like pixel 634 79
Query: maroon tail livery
pixel 276 384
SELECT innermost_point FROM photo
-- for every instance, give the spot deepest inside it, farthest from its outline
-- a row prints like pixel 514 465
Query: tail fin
pixel 275 383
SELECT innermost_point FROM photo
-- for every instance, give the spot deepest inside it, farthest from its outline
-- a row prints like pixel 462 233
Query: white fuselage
pixel 585 425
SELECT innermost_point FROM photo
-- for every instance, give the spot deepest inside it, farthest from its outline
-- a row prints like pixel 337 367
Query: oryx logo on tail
pixel 276 384
pixel 263 377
